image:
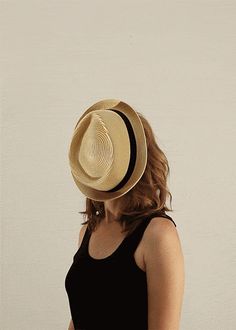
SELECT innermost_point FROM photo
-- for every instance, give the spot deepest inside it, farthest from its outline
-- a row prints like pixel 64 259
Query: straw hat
pixel 108 151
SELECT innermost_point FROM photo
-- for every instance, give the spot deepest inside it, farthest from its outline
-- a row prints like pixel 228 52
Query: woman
pixel 128 271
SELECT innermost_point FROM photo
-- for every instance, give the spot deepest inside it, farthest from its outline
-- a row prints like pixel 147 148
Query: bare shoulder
pixel 81 234
pixel 158 225
pixel 162 233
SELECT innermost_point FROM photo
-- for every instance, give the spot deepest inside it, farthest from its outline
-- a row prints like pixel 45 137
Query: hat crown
pixel 100 150
pixel 96 150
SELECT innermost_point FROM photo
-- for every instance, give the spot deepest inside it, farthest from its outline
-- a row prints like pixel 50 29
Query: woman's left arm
pixel 165 273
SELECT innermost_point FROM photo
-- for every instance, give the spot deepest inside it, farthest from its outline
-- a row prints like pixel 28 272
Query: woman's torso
pixel 106 239
pixel 106 283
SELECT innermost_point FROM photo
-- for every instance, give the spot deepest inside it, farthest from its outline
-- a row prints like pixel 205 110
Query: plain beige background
pixel 174 61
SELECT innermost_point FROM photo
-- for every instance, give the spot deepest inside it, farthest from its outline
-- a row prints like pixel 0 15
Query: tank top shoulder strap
pixel 82 250
pixel 85 238
pixel 135 237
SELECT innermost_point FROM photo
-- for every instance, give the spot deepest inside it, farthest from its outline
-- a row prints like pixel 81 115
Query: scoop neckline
pixel 117 250
pixel 108 257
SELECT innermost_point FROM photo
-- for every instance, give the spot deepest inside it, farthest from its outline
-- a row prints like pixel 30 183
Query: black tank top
pixel 109 293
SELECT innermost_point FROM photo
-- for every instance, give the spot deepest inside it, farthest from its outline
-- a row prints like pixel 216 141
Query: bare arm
pixel 81 235
pixel 71 325
pixel 164 263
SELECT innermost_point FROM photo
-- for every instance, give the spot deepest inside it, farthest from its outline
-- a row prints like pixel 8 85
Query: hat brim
pixel 141 158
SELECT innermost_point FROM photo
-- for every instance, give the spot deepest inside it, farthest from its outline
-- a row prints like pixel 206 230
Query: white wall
pixel 174 61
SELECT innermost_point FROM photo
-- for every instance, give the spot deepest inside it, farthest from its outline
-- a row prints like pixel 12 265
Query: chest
pixel 104 243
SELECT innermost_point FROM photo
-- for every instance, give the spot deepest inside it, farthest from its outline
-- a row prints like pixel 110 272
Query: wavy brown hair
pixel 148 196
